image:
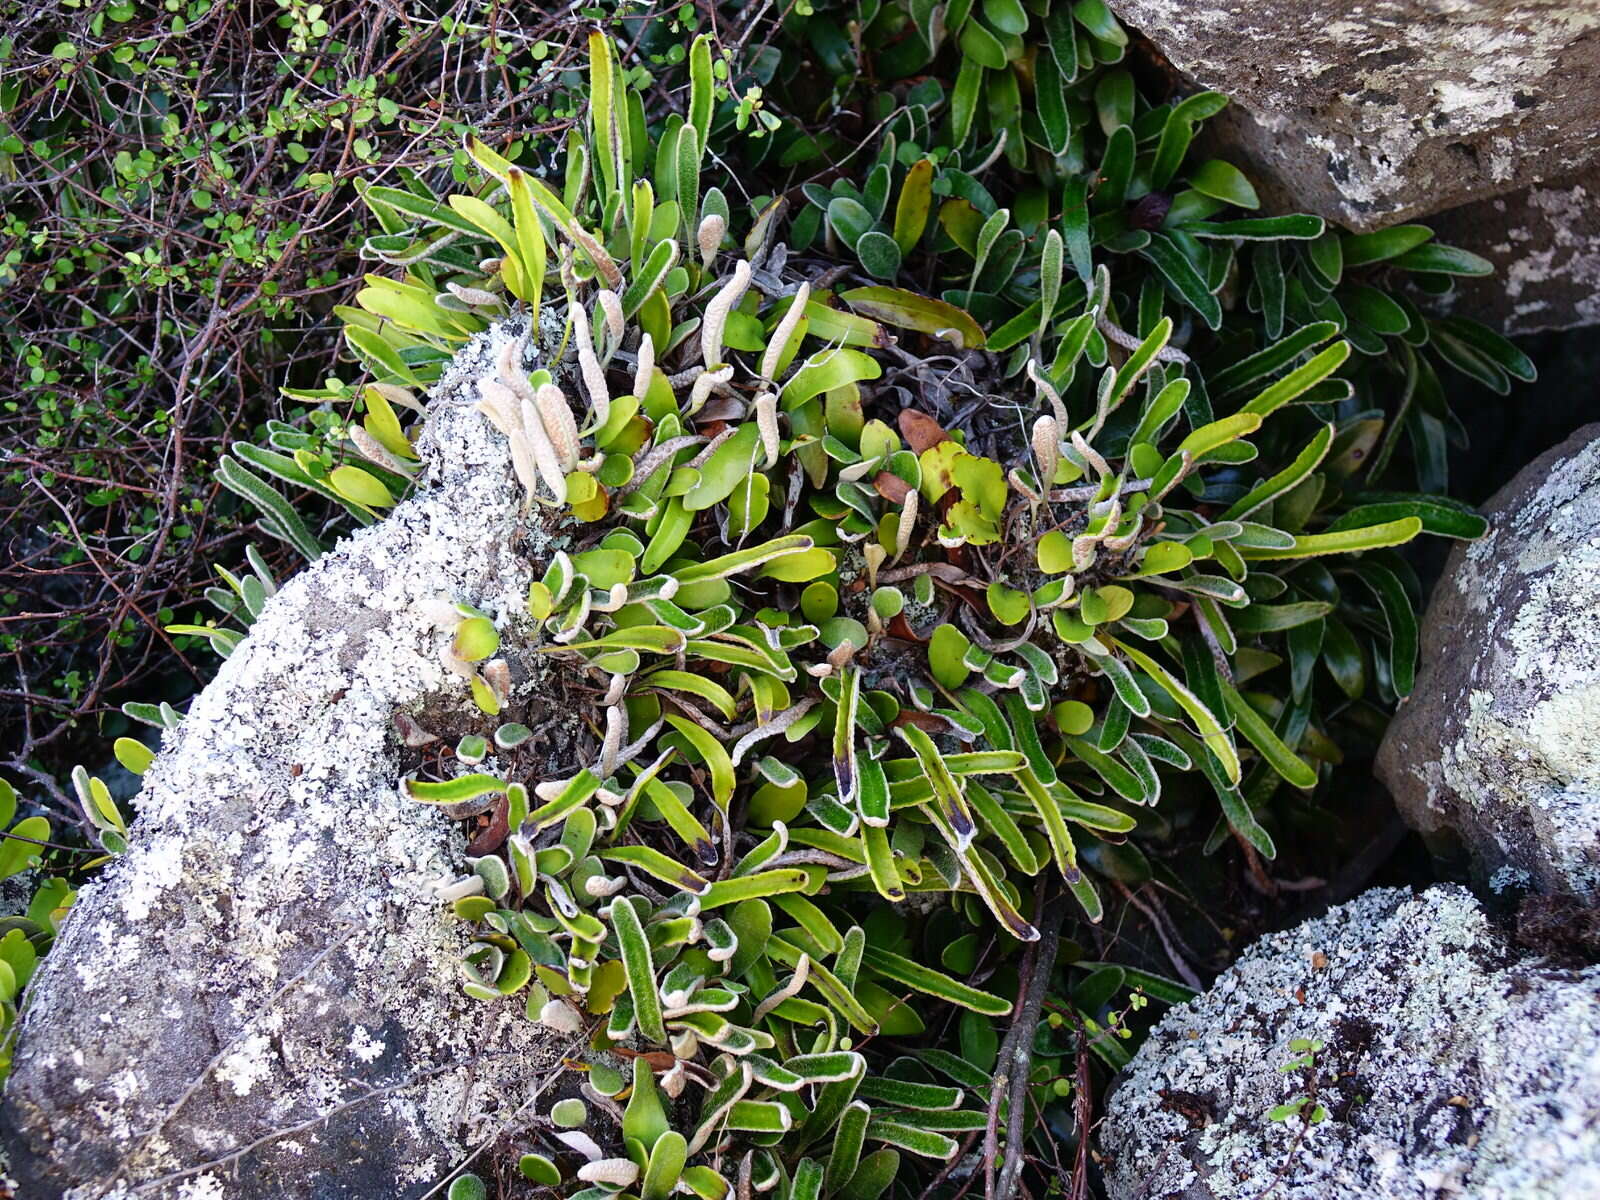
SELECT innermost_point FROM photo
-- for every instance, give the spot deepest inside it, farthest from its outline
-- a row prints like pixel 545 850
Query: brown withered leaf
pixel 891 487
pixel 493 835
pixel 920 430
pixel 927 722
pixel 899 627
pixel 659 1060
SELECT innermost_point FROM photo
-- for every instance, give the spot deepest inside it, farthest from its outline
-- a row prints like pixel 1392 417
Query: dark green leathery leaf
pixel 907 1136
pixel 844 1157
pixel 845 772
pixel 934 983
pixel 636 960
pixel 667 1158
pixel 539 1169
pixel 946 790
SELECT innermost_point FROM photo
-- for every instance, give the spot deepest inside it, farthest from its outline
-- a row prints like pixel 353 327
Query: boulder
pixel 1496 750
pixel 262 997
pixel 1544 242
pixel 1440 1064
pixel 1375 113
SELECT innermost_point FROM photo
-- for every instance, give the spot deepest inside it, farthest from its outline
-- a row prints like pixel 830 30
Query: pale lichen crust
pixel 1447 1067
pixel 267 980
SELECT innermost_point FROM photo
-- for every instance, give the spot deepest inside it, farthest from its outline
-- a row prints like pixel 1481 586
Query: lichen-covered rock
pixel 262 997
pixel 1447 1067
pixel 1498 745
pixel 1375 112
pixel 16 891
pixel 1544 242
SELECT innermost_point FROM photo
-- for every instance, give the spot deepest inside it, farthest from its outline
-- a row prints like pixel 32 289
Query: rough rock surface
pixel 1545 244
pixel 262 998
pixel 1376 111
pixel 16 892
pixel 1449 1068
pixel 1497 746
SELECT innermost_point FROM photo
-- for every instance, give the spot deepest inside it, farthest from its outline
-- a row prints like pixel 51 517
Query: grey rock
pixel 1449 1068
pixel 1497 750
pixel 262 997
pixel 1375 112
pixel 16 893
pixel 1545 244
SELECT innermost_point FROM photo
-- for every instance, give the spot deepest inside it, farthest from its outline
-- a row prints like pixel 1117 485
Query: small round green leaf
pixel 476 639
pixel 879 254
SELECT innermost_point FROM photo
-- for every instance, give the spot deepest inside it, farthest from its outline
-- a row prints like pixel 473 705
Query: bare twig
pixel 1158 922
pixel 1016 1051
pixel 1082 1111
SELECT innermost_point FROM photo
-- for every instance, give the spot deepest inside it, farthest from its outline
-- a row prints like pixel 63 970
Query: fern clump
pixel 852 655
pixel 916 550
